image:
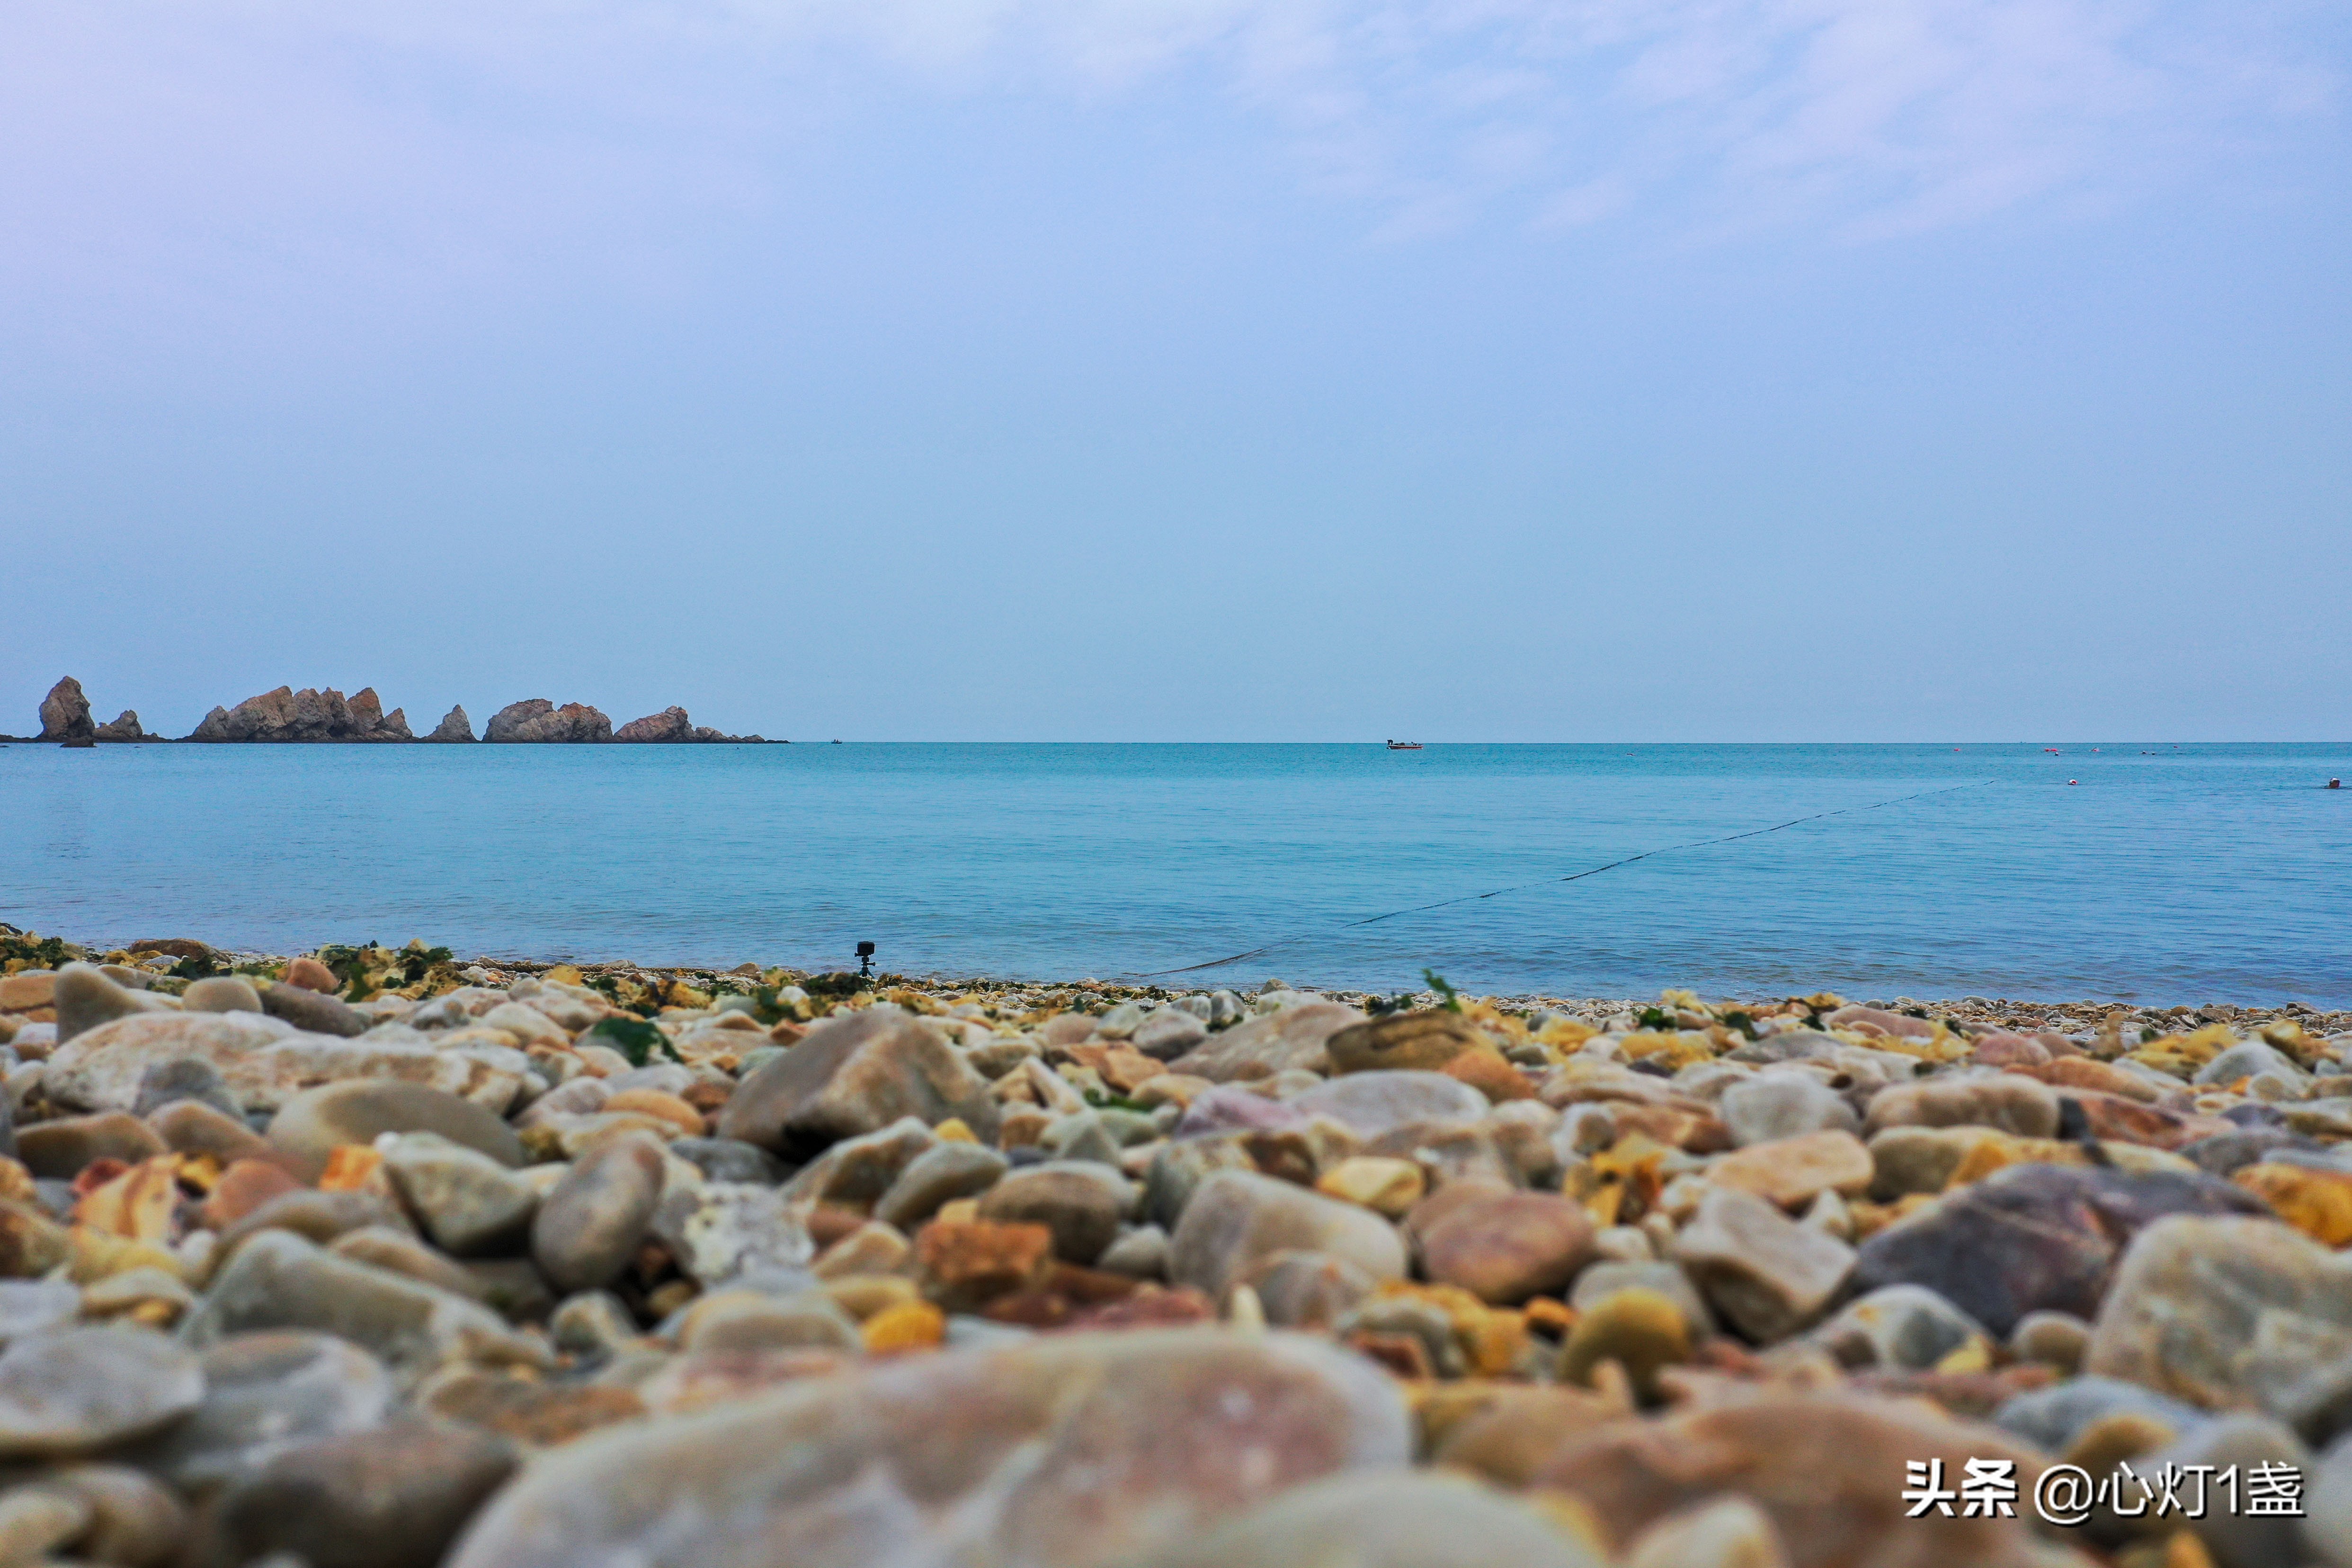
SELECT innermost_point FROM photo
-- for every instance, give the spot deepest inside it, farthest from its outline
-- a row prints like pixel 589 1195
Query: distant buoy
pixel 2074 780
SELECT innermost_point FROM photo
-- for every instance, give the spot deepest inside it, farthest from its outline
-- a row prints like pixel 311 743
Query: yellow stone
pixel 1676 1048
pixel 2317 1202
pixel 1641 1330
pixel 909 1326
pixel 1386 1186
pixel 1996 1150
pixel 350 1168
pixel 953 1130
pixel 1794 1172
pixel 16 1183
pixel 99 1255
pixel 1492 1339
pixel 565 974
pixel 957 1211
pixel 136 1204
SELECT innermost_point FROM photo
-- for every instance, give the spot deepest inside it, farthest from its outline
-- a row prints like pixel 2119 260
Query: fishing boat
pixel 1404 746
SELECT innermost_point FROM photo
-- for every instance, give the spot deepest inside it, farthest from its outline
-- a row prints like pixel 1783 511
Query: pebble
pixel 938 1175
pixel 1236 1217
pixel 1769 1276
pixel 2033 1238
pixel 395 1497
pixel 1079 1201
pixel 1385 1518
pixel 470 1204
pixel 983 1457
pixel 1816 1465
pixel 2231 1312
pixel 78 1391
pixel 1788 1104
pixel 587 1227
pixel 1293 1039
pixel 311 1125
pixel 85 998
pixel 278 1280
pixel 1502 1245
pixel 313 1012
pixel 265 1393
pixel 1794 1172
pixel 1643 1331
pixel 221 994
pixel 1903 1327
pixel 62 1147
pixel 856 1074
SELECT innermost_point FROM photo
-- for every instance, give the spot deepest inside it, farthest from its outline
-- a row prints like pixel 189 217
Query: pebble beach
pixel 379 1258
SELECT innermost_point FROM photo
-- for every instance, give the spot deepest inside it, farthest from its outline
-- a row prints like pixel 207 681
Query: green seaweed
pixel 196 966
pixel 1438 983
pixel 633 1037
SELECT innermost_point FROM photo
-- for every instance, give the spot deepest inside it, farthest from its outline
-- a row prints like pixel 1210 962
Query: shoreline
pixel 2082 1021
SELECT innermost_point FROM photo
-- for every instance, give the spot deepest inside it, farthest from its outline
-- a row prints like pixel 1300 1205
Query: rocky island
pixel 309 716
pixel 375 1257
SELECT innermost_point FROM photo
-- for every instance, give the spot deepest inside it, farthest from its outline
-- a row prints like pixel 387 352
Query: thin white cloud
pixel 1882 115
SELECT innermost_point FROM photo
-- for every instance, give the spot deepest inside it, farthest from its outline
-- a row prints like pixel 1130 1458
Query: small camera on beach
pixel 864 958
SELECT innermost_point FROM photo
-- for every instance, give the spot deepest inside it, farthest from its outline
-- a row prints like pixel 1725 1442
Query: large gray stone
pixel 264 1062
pixel 853 1074
pixel 590 1225
pixel 313 1124
pixel 1764 1272
pixel 390 1497
pixel 2233 1314
pixel 1079 1201
pixel 1065 1451
pixel 1275 1042
pixel 79 1390
pixel 278 1280
pixel 942 1173
pixel 1236 1217
pixel 1385 1518
pixel 85 998
pixel 2036 1237
pixel 265 1393
pixel 470 1204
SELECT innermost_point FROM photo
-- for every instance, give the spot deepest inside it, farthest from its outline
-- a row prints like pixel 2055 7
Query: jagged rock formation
pixel 65 713
pixel 538 719
pixel 454 726
pixel 671 726
pixel 124 728
pixel 373 723
pixel 286 714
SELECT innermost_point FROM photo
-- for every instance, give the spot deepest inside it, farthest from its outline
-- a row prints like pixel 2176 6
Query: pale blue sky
pixel 1188 369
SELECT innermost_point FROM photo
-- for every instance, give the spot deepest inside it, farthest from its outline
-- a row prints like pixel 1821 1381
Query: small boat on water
pixel 1404 746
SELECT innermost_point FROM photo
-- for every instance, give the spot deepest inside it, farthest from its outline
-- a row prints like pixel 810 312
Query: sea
pixel 2147 873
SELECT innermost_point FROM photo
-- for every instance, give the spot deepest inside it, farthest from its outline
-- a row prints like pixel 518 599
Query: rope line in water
pixel 1553 882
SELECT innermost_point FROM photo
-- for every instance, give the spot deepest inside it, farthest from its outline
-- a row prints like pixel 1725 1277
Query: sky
pixel 1473 370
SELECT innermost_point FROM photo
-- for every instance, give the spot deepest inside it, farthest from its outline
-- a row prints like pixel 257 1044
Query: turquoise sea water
pixel 2197 873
